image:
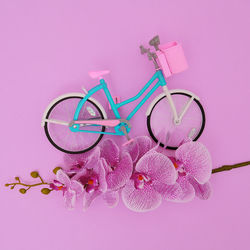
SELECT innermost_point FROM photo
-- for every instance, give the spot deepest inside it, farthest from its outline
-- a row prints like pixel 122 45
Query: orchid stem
pixel 27 185
pixel 41 179
pixel 229 167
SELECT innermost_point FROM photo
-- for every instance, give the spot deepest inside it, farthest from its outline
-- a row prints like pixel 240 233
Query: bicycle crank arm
pixel 102 122
pixel 57 122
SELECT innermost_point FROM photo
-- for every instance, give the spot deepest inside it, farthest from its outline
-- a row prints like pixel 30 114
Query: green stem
pixel 28 185
pixel 41 179
pixel 229 167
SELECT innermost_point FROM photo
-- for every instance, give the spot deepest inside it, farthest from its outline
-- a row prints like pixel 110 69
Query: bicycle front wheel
pixel 61 137
pixel 161 119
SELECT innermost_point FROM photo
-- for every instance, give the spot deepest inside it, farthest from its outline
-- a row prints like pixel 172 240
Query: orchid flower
pixel 152 172
pixel 194 166
pixel 93 177
pixel 119 168
pixel 71 188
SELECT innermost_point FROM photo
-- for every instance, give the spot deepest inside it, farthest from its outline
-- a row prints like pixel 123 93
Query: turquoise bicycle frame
pixel 161 82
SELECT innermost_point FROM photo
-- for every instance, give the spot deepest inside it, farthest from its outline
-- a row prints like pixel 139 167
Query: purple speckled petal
pixel 145 144
pixel 188 192
pixel 77 187
pixel 133 149
pixel 158 167
pixel 169 192
pixel 74 159
pixel 196 159
pixel 140 200
pixel 63 178
pixel 140 146
pixel 181 191
pixel 70 198
pixel 110 152
pixel 82 172
pixel 88 198
pixel 111 198
pixel 202 191
pixel 107 168
pixel 93 158
pixel 121 174
pixel 102 176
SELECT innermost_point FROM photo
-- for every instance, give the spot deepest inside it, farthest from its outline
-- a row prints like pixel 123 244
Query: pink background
pixel 47 48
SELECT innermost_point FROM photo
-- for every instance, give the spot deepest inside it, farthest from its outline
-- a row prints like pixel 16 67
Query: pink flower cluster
pixel 139 172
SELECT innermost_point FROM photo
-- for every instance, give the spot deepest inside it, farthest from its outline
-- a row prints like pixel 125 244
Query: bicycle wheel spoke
pixel 61 136
pixel 161 117
pixel 185 108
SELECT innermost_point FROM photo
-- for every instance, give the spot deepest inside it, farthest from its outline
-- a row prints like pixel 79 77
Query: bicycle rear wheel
pixel 61 137
pixel 160 119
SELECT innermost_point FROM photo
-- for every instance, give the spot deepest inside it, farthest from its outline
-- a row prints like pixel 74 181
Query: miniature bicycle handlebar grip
pixel 171 58
pixel 155 41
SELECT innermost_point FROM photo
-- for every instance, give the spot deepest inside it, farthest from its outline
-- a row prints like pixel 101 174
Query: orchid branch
pixel 33 174
pixel 229 167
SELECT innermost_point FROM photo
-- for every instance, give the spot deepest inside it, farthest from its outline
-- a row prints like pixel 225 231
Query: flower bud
pixel 34 174
pixel 56 169
pixel 22 190
pixel 45 191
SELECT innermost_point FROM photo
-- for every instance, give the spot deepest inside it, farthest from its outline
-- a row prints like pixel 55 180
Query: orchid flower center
pixel 179 167
pixel 57 185
pixel 90 181
pixel 140 180
pixel 91 184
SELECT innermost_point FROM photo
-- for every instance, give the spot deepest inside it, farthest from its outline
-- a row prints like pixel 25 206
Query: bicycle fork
pixel 177 119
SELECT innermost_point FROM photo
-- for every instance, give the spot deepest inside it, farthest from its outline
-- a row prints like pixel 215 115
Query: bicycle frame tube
pixel 161 82
pixel 157 75
pixel 98 87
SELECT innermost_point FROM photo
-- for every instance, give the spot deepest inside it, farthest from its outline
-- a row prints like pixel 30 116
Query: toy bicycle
pixel 76 122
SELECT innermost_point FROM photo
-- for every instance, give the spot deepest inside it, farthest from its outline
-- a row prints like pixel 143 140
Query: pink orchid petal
pixel 102 176
pixel 82 172
pixel 140 146
pixel 107 168
pixel 63 178
pixel 70 198
pixel 93 159
pixel 202 191
pixel 121 174
pixel 133 150
pixel 181 191
pixel 110 152
pixel 111 198
pixel 169 192
pixel 144 144
pixel 158 167
pixel 77 187
pixel 88 198
pixel 140 200
pixel 196 159
pixel 74 159
pixel 57 183
pixel 188 192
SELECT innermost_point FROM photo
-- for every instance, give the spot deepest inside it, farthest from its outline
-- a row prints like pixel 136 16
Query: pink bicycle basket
pixel 171 58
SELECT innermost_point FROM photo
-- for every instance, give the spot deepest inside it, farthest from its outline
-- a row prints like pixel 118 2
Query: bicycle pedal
pixel 127 142
pixel 123 129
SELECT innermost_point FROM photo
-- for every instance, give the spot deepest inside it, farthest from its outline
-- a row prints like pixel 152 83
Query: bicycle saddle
pixel 98 74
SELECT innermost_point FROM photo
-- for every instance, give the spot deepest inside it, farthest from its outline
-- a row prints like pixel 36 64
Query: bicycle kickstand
pixel 129 140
